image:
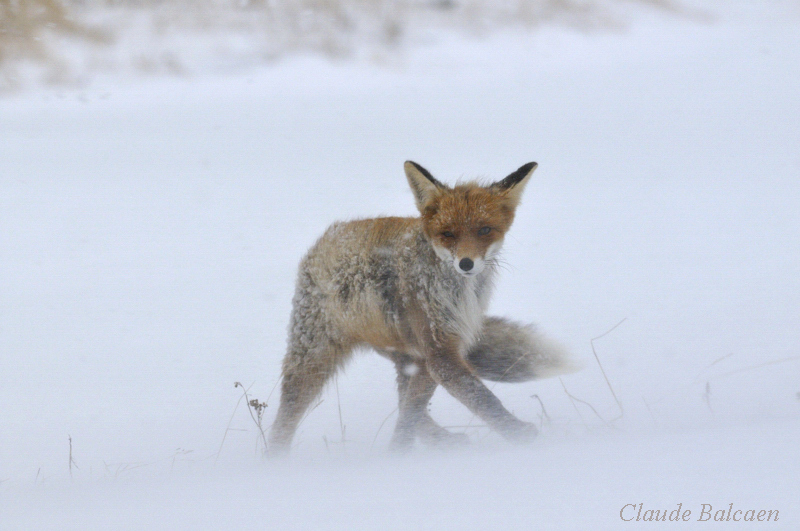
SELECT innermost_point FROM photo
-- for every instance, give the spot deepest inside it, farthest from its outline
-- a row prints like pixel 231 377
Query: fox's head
pixel 466 223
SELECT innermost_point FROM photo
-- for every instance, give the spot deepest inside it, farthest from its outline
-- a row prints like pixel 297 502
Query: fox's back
pixel 359 274
pixel 360 238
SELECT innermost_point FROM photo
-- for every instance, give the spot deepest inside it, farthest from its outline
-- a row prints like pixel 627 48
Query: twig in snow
pixel 258 407
pixel 543 414
pixel 178 451
pixel 273 389
pixel 252 405
pixel 228 427
pixel 576 399
pixel 381 427
pixel 310 410
pixel 729 373
pixel 596 357
pixel 707 398
pixel 704 369
pixel 578 411
pixel 753 367
pixel 71 461
pixel 342 427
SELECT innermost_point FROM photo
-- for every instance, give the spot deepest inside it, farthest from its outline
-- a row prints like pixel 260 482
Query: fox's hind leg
pixel 305 373
pixel 415 387
pixel 316 350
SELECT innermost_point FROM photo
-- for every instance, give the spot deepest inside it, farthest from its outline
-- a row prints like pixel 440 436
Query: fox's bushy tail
pixel 512 352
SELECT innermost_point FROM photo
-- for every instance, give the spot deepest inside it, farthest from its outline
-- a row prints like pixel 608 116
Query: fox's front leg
pixel 415 387
pixel 450 370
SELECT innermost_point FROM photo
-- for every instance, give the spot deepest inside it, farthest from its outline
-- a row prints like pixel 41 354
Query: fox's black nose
pixel 466 264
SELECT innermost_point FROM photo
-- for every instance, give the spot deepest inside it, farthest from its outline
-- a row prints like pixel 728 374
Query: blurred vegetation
pixel 28 29
pixel 59 41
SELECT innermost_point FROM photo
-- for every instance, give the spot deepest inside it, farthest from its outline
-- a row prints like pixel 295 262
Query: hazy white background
pixel 152 217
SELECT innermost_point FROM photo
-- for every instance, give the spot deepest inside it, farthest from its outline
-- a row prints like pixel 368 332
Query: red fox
pixel 416 291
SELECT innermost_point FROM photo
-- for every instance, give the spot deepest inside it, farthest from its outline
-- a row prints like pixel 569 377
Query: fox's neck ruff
pixel 465 299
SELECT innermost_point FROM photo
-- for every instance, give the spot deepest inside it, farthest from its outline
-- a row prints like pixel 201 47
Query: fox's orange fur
pixel 415 290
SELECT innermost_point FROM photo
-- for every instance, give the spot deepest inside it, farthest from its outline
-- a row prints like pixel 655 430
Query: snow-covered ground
pixel 149 234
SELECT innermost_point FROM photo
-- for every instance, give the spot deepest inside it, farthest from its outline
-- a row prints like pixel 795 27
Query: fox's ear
pixel 513 185
pixel 422 183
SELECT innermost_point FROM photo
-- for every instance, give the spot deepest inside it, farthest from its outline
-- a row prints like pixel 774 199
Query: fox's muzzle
pixel 467 266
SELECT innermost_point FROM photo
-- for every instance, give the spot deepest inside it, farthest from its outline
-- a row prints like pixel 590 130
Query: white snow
pixel 150 233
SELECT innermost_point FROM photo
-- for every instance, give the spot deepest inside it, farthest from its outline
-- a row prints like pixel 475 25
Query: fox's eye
pixel 448 234
pixel 484 231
